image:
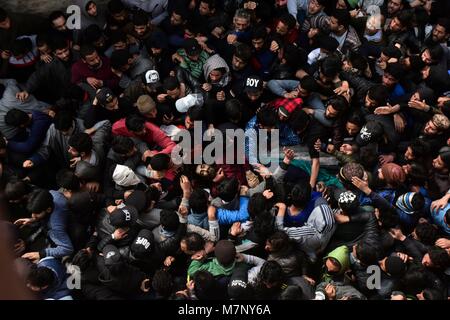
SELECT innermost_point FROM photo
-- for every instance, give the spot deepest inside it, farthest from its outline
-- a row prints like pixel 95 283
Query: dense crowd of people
pixel 95 207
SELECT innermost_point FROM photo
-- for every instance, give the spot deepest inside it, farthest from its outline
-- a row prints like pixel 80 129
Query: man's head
pixel 60 48
pixel 392 74
pixel 299 121
pixel 300 194
pixel 40 204
pixel 417 149
pixel 437 125
pixel 225 252
pixel 267 118
pixel 58 20
pixel 90 56
pixel 80 144
pixel 117 10
pixel 285 23
pixel 436 258
pixel 192 49
pixel 316 6
pixel 253 87
pixel 169 220
pixel 64 122
pixel 228 189
pixel 172 87
pixel 40 278
pixel 17 118
pixel 376 96
pixel 400 22
pixel 151 80
pixel 394 7
pixel 241 57
pixel 147 106
pixel 91 8
pixel 339 21
pixel 178 17
pixel 140 23
pixel 432 54
pixel 207 8
pixel 393 266
pixel 198 202
pixel 121 60
pixel 335 107
pixel 136 125
pixel 107 99
pixel 258 35
pixel 123 146
pixel 67 180
pixel 5 21
pixel 241 20
pixel 441 31
pixel 353 125
pixel 442 162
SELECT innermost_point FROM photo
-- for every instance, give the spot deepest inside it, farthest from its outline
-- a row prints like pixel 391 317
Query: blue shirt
pixel 300 219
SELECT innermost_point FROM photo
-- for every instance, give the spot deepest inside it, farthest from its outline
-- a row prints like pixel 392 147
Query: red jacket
pixel 153 136
pixel 81 71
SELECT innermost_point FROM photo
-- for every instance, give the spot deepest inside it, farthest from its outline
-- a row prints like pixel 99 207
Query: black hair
pixel 414 281
pixel 243 52
pixel 419 148
pixel 396 70
pixel 433 294
pixel 118 36
pixel 122 145
pixel 58 42
pixel 162 283
pixel 436 52
pixel 309 83
pixel 444 22
pixel 82 259
pixel 55 15
pixel 16 190
pixel 233 110
pixel 134 123
pixel 160 161
pixel 86 50
pixel 169 220
pixel 418 201
pixel 228 189
pixel 342 16
pixel 3 15
pixel 82 142
pixel 367 252
pixel 198 202
pixel 379 93
pixel 194 241
pixel 439 257
pixel 16 118
pixel 67 179
pixel 339 103
pixel 42 39
pixel 427 233
pixel 355 119
pixel 120 58
pixel 264 224
pixel 295 57
pixel 41 277
pixel 292 292
pixel 21 46
pixel 93 33
pixel 39 201
pixel 258 32
pixel 267 117
pixel 358 61
pixel 257 204
pixel 206 286
pixel 405 17
pixel 63 120
pixel 288 20
pixel 195 113
pixel 330 66
pixel 2 90
pixel 115 6
pixel 280 242
pixel 211 3
pixel 300 194
pixel 140 18
pixel 299 120
pixel 418 174
pixel 271 272
pixel 171 83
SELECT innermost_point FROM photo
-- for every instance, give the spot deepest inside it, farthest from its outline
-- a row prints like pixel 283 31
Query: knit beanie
pixel 404 202
pixel 393 174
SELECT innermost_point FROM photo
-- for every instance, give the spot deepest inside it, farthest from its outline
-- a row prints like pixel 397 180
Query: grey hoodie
pixel 216 62
pixel 86 19
pixel 9 101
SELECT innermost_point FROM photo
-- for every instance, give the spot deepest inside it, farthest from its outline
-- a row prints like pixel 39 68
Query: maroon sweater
pixel 81 71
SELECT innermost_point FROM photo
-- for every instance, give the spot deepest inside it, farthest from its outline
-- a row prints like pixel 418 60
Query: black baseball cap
pixel 123 216
pixel 105 96
pixel 253 84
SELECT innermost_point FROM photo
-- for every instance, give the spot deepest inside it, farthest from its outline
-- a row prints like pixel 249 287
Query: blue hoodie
pixel 59 290
pixel 198 219
pixel 57 228
pixel 438 218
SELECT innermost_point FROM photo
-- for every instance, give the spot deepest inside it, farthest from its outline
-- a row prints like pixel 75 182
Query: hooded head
pixel 216 62
pixel 393 174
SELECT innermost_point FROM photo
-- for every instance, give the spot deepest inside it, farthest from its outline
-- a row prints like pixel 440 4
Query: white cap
pixel 124 176
pixel 151 77
pixel 184 104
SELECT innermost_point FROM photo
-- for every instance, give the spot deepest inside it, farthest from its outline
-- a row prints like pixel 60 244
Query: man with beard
pixel 50 81
pixel 92 71
pixel 394 7
pixel 440 35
